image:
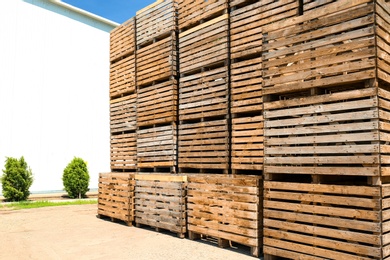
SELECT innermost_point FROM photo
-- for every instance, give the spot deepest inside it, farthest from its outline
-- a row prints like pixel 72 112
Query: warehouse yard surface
pixel 69 232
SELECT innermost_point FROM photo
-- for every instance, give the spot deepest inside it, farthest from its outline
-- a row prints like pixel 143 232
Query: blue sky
pixel 115 10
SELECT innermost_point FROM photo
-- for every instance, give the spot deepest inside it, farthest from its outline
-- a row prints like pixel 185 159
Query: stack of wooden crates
pixel 214 101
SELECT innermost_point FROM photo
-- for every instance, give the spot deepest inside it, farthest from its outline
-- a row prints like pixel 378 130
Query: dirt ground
pixel 74 232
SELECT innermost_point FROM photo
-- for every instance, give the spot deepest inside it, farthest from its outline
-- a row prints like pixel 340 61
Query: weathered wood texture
pixel 204 45
pixel 204 145
pixel 384 128
pixel 383 39
pixel 204 94
pixel 157 61
pixel 122 77
pixel 116 196
pixel 156 146
pixel 227 207
pixel 247 21
pixel 122 40
pixel 157 104
pixel 123 114
pixel 331 134
pixel 156 21
pixel 247 143
pixel 160 201
pixel 386 220
pixel 328 45
pixel 192 12
pixel 246 86
pixel 123 152
pixel 318 221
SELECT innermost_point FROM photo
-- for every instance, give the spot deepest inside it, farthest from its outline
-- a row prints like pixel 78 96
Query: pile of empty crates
pixel 262 123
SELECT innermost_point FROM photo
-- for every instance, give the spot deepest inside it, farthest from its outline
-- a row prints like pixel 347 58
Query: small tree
pixel 76 178
pixel 17 179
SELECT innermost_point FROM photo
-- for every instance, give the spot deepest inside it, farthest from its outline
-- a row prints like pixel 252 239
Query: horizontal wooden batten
pixel 160 201
pixel 122 40
pixel 204 145
pixel 123 114
pixel 123 152
pixel 156 21
pixel 204 94
pixel 156 146
pixel 122 77
pixel 116 196
pixel 157 61
pixel 157 103
pixel 342 220
pixel 226 207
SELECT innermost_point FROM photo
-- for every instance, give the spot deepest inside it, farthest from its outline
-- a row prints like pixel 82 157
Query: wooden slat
pixel 123 114
pixel 122 40
pixel 123 152
pixel 122 77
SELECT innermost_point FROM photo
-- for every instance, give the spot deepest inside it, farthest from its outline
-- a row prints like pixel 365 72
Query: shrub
pixel 16 180
pixel 76 178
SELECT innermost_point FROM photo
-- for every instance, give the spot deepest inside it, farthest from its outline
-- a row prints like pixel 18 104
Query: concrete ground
pixel 74 232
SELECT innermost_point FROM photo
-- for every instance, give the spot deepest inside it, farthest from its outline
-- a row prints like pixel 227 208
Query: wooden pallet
pixel 122 40
pixel 192 12
pixel 319 221
pixel 247 20
pixel 157 103
pixel 204 94
pixel 157 61
pixel 156 146
pixel 156 21
pixel 330 134
pixel 226 207
pixel 116 196
pixel 246 86
pixel 383 39
pixel 326 46
pixel 204 145
pixel 122 77
pixel 160 202
pixel 204 45
pixel 123 152
pixel 123 114
pixel 247 143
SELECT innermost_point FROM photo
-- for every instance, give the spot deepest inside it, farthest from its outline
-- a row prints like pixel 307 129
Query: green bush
pixel 76 178
pixel 16 180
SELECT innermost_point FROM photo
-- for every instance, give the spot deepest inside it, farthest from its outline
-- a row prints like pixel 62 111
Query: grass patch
pixel 43 203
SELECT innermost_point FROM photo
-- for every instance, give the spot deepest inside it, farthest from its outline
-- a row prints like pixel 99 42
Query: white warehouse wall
pixel 54 82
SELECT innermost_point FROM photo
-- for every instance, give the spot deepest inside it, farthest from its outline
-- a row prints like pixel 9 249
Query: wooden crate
pixel 246 86
pixel 122 40
pixel 157 61
pixel 156 21
pixel 156 146
pixel 157 104
pixel 116 196
pixel 123 152
pixel 326 46
pixel 248 18
pixel 320 221
pixel 122 77
pixel 383 39
pixel 204 94
pixel 384 128
pixel 204 45
pixel 247 143
pixel 192 12
pixel 329 134
pixel 385 221
pixel 160 202
pixel 204 145
pixel 123 114
pixel 227 207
